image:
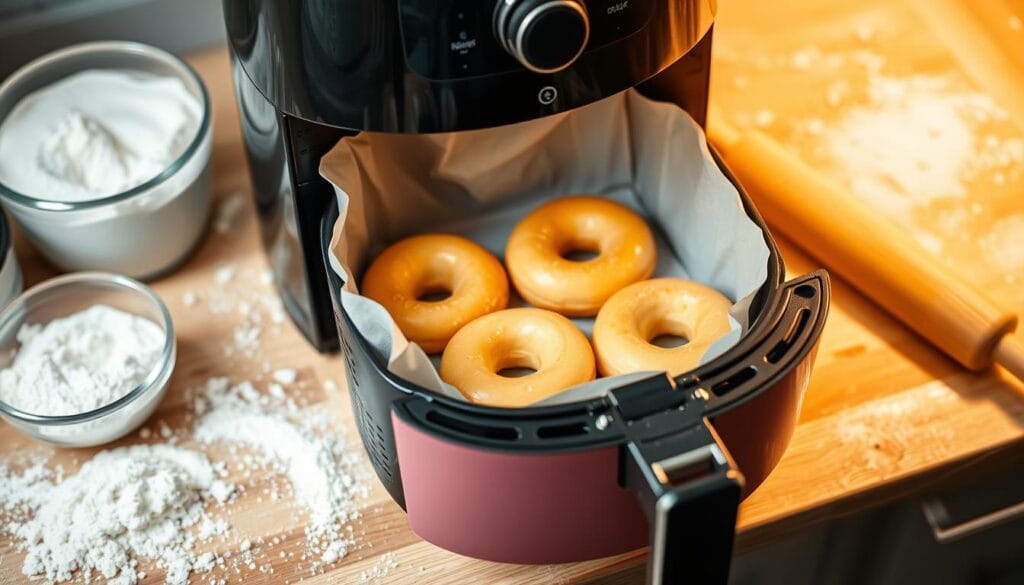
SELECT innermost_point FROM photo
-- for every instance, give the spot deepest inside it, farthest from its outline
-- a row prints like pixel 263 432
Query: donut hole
pixel 516 372
pixel 580 255
pixel 666 333
pixel 668 340
pixel 434 293
pixel 580 250
pixel 518 365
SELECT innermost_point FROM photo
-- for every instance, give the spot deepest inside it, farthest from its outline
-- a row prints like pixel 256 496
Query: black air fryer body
pixel 308 73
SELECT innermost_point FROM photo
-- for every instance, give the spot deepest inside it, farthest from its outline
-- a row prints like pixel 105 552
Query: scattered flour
pixel 277 447
pixel 900 142
pixel 277 391
pixel 149 502
pixel 320 467
pixel 122 505
pixel 916 141
pixel 224 274
pixel 211 528
pixel 229 212
pixel 1004 243
pixel 380 570
pixel 764 118
pixel 285 376
pixel 259 306
pixel 80 362
pixel 925 150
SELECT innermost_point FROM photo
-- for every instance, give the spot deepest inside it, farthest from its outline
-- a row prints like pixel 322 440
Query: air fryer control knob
pixel 544 35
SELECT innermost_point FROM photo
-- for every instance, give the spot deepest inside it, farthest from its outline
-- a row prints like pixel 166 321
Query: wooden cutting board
pixel 885 413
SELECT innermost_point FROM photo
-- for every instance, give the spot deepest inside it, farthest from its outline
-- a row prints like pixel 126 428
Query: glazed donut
pixel 517 338
pixel 545 278
pixel 637 314
pixel 419 266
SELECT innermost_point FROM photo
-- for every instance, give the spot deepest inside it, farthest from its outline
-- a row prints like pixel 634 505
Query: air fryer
pixel 661 462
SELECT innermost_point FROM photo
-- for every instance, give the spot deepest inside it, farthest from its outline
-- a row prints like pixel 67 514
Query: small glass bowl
pixel 146 231
pixel 70 294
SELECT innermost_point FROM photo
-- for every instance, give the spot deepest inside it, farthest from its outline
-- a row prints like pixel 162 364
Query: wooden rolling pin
pixel 870 252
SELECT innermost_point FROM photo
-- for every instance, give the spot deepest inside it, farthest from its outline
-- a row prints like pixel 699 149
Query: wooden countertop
pixel 884 415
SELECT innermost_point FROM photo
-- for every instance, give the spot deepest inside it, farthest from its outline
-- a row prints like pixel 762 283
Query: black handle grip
pixel 685 480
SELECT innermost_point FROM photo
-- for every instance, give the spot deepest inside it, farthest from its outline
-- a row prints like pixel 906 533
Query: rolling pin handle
pixel 1009 353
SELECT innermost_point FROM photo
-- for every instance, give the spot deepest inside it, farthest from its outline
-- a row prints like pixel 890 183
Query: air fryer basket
pixel 660 461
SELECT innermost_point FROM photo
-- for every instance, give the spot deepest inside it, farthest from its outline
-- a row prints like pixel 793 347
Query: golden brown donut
pixel 663 306
pixel 517 338
pixel 407 271
pixel 545 278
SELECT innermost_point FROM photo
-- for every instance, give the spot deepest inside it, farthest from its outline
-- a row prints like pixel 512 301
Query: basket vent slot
pixel 782 348
pixel 373 438
pixel 734 381
pixel 470 428
pixel 566 430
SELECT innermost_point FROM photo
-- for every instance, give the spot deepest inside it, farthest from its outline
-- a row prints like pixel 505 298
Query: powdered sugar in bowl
pixel 84 358
pixel 105 157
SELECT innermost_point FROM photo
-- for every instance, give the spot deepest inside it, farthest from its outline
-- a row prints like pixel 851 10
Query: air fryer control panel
pixel 460 39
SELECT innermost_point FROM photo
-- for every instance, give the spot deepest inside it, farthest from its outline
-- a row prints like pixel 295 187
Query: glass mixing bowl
pixel 143 232
pixel 70 294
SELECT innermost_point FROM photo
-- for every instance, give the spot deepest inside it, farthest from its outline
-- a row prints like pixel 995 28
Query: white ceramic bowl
pixel 63 296
pixel 145 231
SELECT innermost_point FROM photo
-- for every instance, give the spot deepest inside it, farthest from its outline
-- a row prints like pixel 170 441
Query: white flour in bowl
pixel 96 133
pixel 83 152
pixel 81 362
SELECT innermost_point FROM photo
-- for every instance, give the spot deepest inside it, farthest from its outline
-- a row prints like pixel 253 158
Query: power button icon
pixel 547 95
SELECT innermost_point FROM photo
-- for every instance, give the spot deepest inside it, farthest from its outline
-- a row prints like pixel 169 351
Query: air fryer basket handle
pixel 685 480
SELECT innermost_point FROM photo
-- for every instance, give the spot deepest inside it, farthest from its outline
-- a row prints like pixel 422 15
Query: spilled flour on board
pixel 1005 243
pixel 170 507
pixel 920 149
pixel 917 140
pixel 902 141
pixel 167 503
pixel 922 145
pixel 122 505
pixel 300 444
